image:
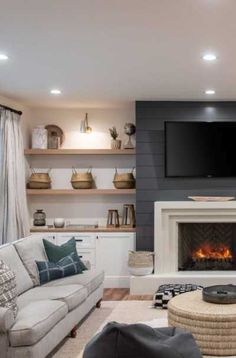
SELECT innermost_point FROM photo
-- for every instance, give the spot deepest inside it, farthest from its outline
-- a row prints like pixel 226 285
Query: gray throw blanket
pixel 141 341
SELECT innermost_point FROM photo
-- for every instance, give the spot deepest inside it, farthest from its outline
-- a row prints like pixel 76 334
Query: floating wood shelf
pixel 98 229
pixel 79 151
pixel 81 191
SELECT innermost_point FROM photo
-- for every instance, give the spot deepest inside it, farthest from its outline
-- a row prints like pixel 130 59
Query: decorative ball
pixel 130 129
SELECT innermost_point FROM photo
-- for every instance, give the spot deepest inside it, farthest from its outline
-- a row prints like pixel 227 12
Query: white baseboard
pixel 117 282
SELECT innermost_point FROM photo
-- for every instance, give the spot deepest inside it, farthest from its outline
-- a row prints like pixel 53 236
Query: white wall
pixel 99 119
pixel 82 209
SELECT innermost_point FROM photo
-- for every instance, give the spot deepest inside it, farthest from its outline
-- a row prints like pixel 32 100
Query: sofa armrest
pixel 87 264
pixel 6 319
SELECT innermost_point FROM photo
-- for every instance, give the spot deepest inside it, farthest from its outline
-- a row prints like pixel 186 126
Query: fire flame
pixel 207 251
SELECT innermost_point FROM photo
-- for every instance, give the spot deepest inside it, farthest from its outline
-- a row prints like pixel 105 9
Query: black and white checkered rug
pixel 168 291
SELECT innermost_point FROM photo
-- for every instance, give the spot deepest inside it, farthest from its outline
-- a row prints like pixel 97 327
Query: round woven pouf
pixel 212 325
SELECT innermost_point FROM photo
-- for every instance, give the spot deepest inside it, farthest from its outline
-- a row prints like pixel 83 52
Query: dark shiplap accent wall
pixel 151 183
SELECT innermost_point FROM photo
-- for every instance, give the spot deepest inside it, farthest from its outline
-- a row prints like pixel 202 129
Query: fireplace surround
pixel 171 219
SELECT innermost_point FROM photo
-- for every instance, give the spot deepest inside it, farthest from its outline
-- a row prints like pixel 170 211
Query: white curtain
pixel 14 220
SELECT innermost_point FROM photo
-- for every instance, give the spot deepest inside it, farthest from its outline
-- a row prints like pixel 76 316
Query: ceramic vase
pixel 39 138
pixel 39 218
pixel 115 144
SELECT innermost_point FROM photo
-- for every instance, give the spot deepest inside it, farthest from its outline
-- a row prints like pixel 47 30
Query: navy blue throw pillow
pixel 67 266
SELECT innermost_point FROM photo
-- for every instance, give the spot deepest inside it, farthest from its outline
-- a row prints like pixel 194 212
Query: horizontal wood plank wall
pixel 151 182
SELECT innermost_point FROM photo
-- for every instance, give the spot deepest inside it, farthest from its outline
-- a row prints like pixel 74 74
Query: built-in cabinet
pixel 105 251
pixel 112 251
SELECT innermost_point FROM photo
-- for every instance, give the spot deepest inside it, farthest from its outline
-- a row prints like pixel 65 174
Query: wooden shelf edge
pixel 98 229
pixel 79 151
pixel 81 191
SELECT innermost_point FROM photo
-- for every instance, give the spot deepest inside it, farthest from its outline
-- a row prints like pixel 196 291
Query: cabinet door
pixel 112 253
pixel 87 255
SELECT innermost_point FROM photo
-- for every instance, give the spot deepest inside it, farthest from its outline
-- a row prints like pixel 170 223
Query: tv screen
pixel 200 149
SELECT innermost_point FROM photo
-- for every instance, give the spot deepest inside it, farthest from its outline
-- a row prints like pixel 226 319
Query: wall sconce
pixel 84 126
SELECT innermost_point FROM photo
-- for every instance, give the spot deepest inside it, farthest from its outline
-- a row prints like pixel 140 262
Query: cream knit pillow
pixel 8 292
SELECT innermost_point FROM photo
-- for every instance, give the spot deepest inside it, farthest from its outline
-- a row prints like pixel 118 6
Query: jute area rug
pixel 119 311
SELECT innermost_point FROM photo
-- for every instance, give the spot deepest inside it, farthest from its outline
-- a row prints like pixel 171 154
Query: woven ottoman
pixel 212 325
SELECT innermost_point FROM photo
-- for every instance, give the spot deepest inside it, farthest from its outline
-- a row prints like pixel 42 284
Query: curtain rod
pixel 11 109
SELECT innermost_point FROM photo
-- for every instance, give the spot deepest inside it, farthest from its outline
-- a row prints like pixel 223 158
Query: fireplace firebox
pixel 206 246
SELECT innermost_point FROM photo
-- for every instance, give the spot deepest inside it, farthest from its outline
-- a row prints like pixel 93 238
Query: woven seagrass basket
pixel 140 262
pixel 39 180
pixel 124 180
pixel 82 180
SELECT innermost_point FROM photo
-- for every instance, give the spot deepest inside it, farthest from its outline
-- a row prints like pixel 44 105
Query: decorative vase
pixel 39 218
pixel 115 144
pixel 39 138
pixel 53 141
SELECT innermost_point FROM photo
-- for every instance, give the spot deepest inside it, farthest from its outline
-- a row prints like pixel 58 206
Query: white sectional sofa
pixel 47 313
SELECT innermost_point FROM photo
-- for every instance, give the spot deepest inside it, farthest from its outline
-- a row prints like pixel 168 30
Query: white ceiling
pixel 110 51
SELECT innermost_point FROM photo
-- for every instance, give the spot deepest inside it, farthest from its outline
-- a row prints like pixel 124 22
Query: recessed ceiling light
pixel 209 57
pixel 55 91
pixel 210 91
pixel 3 57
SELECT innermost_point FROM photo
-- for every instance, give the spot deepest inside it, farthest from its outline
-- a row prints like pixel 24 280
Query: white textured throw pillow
pixel 8 292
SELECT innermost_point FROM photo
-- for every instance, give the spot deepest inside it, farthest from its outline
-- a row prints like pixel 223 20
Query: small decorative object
pixel 130 130
pixel 39 180
pixel 39 138
pixel 124 180
pixel 113 218
pixel 165 292
pixel 82 180
pixel 59 222
pixel 84 126
pixel 140 263
pixel 55 136
pixel 115 143
pixel 39 218
pixel 211 198
pixel 221 294
pixel 128 217
pixel 53 141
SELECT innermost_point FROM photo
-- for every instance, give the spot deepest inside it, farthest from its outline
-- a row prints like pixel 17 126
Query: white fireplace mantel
pixel 168 214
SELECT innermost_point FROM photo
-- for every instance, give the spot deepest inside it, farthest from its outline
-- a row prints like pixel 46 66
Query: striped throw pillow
pixel 67 266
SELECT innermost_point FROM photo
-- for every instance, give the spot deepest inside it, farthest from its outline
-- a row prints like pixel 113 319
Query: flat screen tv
pixel 200 149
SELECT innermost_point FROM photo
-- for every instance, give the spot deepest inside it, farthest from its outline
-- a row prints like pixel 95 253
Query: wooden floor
pixel 122 294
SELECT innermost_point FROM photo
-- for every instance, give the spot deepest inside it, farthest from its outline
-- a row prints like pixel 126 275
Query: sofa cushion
pixel 31 249
pixel 9 255
pixel 72 295
pixel 67 266
pixel 35 320
pixel 7 320
pixel 90 279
